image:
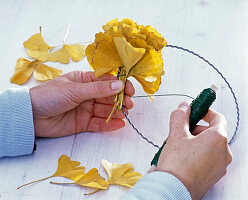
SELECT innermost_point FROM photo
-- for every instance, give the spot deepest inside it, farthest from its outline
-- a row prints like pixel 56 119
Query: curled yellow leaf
pixel 129 55
pixel 60 55
pixel 121 174
pixel 23 71
pixel 103 57
pixel 25 68
pixel 44 73
pixel 75 51
pixel 37 48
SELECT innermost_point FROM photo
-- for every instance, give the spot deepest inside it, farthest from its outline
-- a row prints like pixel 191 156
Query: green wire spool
pixel 199 108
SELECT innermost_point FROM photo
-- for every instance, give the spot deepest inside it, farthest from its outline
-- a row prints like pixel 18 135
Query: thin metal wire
pixel 145 138
pixel 160 95
pixel 223 77
pixel 163 95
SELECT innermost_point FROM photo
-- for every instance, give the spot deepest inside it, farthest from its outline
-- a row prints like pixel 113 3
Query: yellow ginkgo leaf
pixel 103 57
pixel 44 73
pixel 150 65
pixel 37 48
pixel 93 179
pixel 75 51
pixel 121 174
pixel 69 169
pixel 60 55
pixel 90 179
pixel 66 168
pixel 129 55
pixel 149 86
pixel 23 71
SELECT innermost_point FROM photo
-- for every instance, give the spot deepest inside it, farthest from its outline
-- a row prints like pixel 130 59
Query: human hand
pixel 199 159
pixel 77 102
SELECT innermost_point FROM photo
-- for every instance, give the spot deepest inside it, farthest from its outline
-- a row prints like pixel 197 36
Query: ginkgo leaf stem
pixel 93 192
pixel 74 184
pixel 67 31
pixel 34 182
pixel 80 43
pixel 61 183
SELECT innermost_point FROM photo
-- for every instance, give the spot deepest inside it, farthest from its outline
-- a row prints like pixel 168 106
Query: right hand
pixel 198 160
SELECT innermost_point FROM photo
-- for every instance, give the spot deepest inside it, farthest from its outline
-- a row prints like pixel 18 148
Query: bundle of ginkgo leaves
pixel 127 49
pixel 118 174
pixel 39 50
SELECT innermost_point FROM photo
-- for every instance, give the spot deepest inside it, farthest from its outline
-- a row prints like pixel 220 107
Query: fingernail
pixel 116 85
pixel 183 104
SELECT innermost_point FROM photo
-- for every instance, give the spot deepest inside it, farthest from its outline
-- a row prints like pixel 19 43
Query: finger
pixel 129 89
pixel 99 124
pixel 110 101
pixel 128 102
pixel 80 92
pixel 198 129
pixel 85 77
pixel 103 111
pixel 179 120
pixel 216 120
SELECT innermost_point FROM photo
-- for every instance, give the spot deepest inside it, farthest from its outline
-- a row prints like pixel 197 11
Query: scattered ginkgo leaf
pixel 37 48
pixel 91 179
pixel 44 73
pixel 66 168
pixel 23 71
pixel 25 68
pixel 75 51
pixel 121 174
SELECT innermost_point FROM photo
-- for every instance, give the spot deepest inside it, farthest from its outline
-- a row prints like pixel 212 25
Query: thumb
pixel 179 120
pixel 96 89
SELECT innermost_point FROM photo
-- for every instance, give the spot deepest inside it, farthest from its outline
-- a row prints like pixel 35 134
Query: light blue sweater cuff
pixel 16 123
pixel 158 186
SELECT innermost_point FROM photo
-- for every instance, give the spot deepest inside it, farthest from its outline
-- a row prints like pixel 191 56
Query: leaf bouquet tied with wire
pixel 126 49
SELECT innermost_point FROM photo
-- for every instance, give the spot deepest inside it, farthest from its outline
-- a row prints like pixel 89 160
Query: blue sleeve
pixel 158 185
pixel 16 123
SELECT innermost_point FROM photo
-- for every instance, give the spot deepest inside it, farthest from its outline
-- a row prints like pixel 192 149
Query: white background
pixel 217 30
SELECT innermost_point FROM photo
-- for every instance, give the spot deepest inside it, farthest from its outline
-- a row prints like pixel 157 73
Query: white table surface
pixel 218 30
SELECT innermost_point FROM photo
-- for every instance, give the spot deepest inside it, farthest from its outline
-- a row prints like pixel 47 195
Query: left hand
pixel 77 102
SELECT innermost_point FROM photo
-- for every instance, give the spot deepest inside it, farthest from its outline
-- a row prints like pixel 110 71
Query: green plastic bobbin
pixel 199 108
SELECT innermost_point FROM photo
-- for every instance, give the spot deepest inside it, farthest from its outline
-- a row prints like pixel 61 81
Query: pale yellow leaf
pixel 93 179
pixel 23 71
pixel 75 51
pixel 66 168
pixel 121 174
pixel 129 55
pixel 69 169
pixel 60 55
pixel 44 73
pixel 37 48
pixel 103 56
